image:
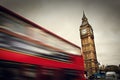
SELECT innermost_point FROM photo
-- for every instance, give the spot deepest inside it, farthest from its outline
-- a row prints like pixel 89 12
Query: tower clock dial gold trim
pixel 84 31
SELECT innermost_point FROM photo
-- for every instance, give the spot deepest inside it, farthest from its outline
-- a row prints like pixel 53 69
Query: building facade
pixel 88 47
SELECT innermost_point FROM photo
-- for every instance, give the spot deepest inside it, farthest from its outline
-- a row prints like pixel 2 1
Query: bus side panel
pixel 79 63
pixel 20 57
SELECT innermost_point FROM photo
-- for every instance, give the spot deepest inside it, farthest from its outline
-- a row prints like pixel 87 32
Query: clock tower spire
pixel 88 46
pixel 84 17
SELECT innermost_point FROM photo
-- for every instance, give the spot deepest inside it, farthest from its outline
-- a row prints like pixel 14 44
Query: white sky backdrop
pixel 63 17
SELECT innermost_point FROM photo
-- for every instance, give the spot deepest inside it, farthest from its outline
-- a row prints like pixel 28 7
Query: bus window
pixel 48 74
pixel 12 24
pixel 9 71
pixel 70 74
pixel 17 71
pixel 29 72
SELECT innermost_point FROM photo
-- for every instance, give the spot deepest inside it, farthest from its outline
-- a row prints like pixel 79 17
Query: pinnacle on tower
pixel 84 18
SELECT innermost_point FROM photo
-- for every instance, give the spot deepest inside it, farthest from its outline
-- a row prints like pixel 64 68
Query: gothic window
pixel 86 41
pixel 85 56
pixel 93 64
pixel 91 47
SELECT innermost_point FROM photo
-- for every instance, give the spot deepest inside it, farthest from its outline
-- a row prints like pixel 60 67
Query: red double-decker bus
pixel 30 52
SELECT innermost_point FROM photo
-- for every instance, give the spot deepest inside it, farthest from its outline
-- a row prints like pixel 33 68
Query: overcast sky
pixel 63 17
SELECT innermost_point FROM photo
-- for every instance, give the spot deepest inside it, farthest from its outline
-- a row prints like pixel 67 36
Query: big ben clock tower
pixel 88 47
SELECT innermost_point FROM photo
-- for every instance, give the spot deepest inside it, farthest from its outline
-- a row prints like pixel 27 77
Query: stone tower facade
pixel 88 47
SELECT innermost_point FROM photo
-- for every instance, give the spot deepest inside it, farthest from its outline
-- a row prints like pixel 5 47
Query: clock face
pixel 84 31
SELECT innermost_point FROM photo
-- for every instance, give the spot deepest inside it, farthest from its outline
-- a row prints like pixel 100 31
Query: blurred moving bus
pixel 30 52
